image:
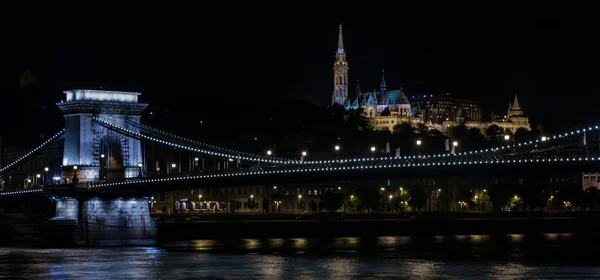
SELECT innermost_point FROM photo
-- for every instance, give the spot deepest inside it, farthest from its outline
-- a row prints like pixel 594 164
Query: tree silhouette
pixel 501 194
pixel 331 201
pixel 494 133
pixel 418 197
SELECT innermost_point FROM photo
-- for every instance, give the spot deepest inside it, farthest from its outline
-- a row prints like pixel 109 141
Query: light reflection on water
pixel 473 256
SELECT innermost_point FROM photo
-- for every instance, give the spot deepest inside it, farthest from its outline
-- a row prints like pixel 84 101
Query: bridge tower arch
pixel 85 141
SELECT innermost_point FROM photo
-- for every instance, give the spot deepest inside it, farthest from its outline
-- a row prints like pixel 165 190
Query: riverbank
pixel 368 225
pixel 18 230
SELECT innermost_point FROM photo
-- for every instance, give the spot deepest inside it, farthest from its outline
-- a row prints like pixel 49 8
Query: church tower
pixel 340 74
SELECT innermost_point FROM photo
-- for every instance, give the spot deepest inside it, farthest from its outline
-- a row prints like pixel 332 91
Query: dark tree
pixel 500 195
pixel 369 198
pixel 422 129
pixel 418 197
pixel 495 134
pixel 404 130
pixel 265 204
pixel 590 199
pixel 522 135
pixel 535 196
pixel 331 201
pixel 312 205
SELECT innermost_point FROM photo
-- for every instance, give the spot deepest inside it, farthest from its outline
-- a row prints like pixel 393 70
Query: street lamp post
pixel 46 169
pixel 454 146
pixel 252 202
pixel 140 166
pixel 37 179
pixel 299 198
pixel 304 153
pixel 75 178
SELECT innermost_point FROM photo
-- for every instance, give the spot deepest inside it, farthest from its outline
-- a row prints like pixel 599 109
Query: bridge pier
pixel 105 221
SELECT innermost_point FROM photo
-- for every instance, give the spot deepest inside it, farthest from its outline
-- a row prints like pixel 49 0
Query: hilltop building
pixel 387 108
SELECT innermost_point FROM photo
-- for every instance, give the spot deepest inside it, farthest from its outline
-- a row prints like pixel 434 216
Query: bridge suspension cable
pixel 56 136
pixel 175 137
pixel 137 135
pixel 258 158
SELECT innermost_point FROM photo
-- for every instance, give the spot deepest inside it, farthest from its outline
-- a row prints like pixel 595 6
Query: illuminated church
pixel 387 108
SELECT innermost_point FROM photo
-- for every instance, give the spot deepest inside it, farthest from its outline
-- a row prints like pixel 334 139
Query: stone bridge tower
pixel 98 152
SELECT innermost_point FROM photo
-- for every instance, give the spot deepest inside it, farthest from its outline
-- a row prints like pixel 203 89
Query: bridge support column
pixel 107 221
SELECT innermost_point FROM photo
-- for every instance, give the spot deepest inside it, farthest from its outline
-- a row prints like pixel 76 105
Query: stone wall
pixel 116 222
pixel 67 209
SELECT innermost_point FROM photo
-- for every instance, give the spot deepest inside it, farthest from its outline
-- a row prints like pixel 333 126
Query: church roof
pixel 389 97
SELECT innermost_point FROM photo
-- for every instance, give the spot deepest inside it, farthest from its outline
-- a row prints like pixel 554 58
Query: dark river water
pixel 549 256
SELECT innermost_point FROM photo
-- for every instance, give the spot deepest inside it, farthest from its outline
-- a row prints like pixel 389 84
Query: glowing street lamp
pixel 304 153
pixel 506 137
pixel 454 144
pixel 337 148
pixel 140 166
pixel 46 169
pixel 419 142
pixel 373 149
pixel 269 152
pixel 173 165
pixel 102 155
pixel 544 138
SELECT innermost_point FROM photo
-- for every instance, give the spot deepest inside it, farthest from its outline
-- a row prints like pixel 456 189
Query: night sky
pixel 548 55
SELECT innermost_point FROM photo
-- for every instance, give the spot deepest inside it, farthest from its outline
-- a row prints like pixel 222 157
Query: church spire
pixel 383 85
pixel 340 41
pixel 340 74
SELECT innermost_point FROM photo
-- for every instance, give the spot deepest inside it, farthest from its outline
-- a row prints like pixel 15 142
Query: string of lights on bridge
pixel 345 168
pixel 326 169
pixel 33 151
pixel 290 161
pixel 465 153
pixel 22 192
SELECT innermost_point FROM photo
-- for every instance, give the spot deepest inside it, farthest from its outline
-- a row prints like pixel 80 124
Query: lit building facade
pixel 387 108
pixel 512 121
pixel 590 180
